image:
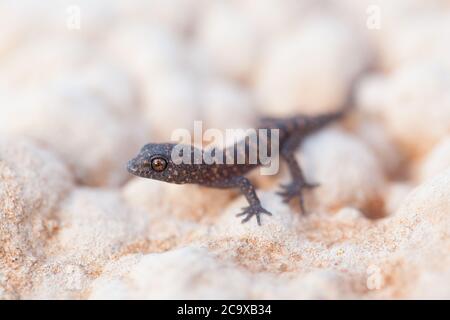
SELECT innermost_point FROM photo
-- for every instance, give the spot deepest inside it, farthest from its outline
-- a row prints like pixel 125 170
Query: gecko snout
pixel 132 166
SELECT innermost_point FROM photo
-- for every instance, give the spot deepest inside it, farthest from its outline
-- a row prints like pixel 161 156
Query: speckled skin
pixel 291 133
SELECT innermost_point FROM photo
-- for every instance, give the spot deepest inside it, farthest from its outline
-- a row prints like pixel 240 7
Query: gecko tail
pixel 305 123
pixel 308 124
pixel 302 123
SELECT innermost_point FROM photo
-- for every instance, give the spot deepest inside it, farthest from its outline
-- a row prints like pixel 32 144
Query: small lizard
pixel 154 162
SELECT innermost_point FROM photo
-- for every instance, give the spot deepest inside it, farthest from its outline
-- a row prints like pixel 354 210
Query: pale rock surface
pixel 394 195
pixel 328 256
pixel 228 40
pixel 27 211
pixel 103 228
pixel 199 275
pixel 100 223
pixel 155 51
pixel 105 81
pixel 382 145
pixel 39 61
pixel 371 95
pixel 271 18
pixel 188 202
pixel 180 214
pixel 80 126
pixel 436 161
pixel 346 169
pixel 420 231
pixel 417 39
pixel 219 96
pixel 59 278
pixel 214 280
pixel 300 74
pixel 417 119
pixel 174 100
pixel 37 22
pixel 15 25
pixel 175 16
pixel 253 263
pixel 267 248
pixel 90 98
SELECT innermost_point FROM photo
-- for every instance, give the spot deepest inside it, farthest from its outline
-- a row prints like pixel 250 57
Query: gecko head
pixel 154 161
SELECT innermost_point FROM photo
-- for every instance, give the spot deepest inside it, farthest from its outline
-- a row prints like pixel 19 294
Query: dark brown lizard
pixel 154 161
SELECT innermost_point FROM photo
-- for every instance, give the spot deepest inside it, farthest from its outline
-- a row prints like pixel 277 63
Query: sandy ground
pixel 83 85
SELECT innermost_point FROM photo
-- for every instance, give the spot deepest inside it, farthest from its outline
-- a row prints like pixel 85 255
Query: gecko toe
pixel 253 210
pixel 312 185
pixel 295 190
pixel 288 192
pixel 244 212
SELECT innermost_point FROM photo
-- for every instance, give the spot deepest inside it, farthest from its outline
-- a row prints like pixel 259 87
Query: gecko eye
pixel 159 164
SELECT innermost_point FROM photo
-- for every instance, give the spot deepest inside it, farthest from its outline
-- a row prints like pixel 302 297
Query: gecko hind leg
pixel 295 188
pixel 255 208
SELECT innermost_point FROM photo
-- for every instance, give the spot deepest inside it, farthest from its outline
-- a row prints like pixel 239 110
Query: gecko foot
pixel 295 189
pixel 253 210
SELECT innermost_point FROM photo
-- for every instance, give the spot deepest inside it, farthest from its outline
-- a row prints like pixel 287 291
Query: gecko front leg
pixel 254 208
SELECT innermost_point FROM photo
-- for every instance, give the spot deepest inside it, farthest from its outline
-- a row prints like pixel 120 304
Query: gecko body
pixel 154 161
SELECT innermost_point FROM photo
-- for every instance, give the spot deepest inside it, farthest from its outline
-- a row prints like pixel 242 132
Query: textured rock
pixel 99 223
pixel 75 104
pixel 417 119
pixel 45 61
pixel 208 278
pixel 300 74
pixel 27 218
pixel 103 228
pixel 149 278
pixel 78 123
pixel 155 50
pixel 176 16
pixel 175 100
pixel 417 39
pixel 423 219
pixel 374 135
pixel 420 231
pixel 271 18
pixel 395 194
pixel 224 29
pixel 227 106
pixel 194 203
pixel 339 163
pixel 437 160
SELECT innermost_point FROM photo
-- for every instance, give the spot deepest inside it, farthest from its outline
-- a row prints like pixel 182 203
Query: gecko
pixel 154 161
